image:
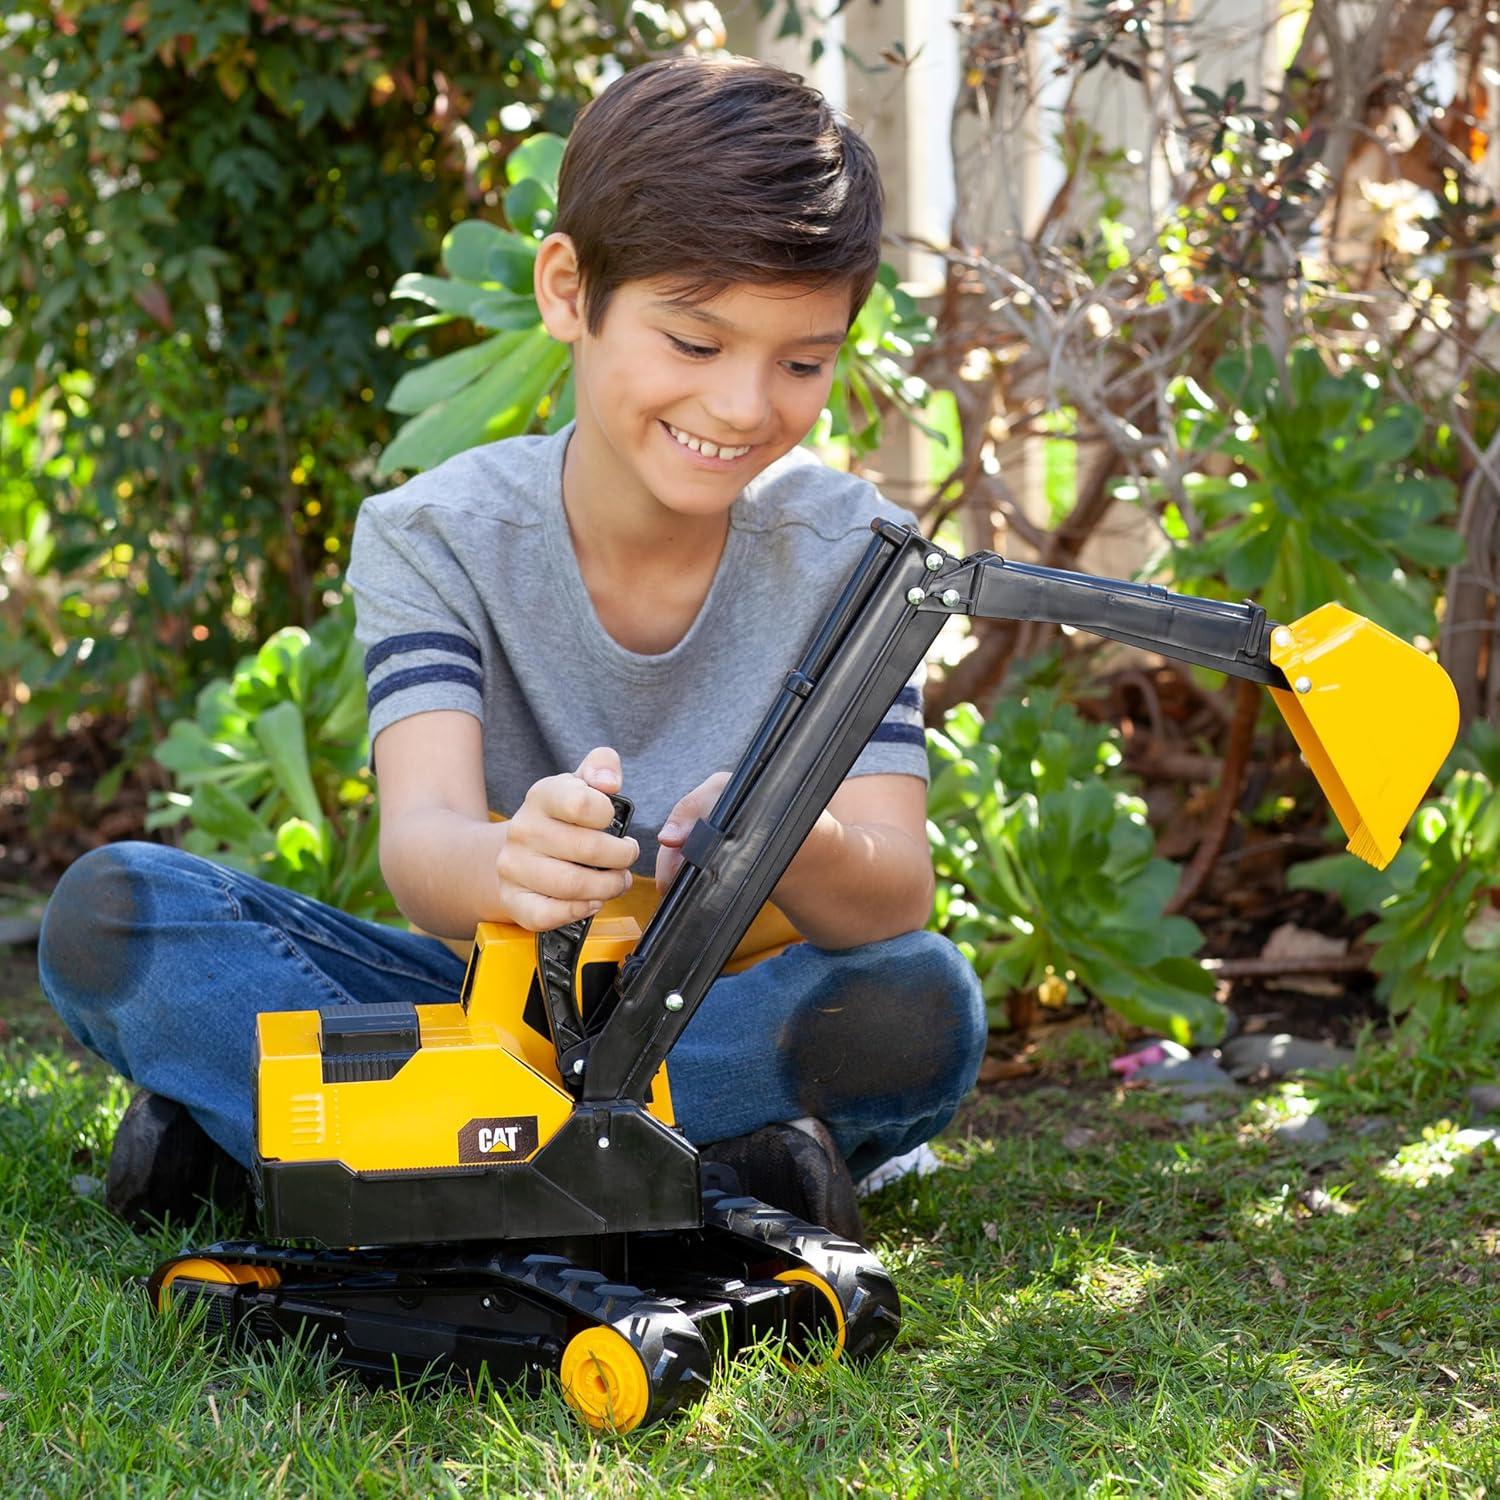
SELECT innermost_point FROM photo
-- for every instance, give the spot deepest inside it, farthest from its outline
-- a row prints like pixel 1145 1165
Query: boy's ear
pixel 559 288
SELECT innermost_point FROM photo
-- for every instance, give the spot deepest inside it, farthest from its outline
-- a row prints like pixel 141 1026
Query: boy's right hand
pixel 557 864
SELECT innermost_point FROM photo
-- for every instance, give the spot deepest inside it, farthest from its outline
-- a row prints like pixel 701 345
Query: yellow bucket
pixel 1374 717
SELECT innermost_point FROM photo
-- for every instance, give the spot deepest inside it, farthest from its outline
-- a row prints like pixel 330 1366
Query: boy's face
pixel 687 403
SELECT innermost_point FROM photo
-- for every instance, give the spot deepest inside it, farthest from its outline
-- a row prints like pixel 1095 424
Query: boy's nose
pixel 741 404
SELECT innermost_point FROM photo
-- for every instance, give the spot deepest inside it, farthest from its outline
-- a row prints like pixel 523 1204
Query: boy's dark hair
pixel 716 171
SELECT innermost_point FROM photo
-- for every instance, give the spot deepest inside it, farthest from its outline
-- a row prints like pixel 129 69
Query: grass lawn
pixel 1098 1297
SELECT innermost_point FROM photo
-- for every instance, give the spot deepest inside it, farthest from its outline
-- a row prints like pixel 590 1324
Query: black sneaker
pixel 795 1167
pixel 164 1165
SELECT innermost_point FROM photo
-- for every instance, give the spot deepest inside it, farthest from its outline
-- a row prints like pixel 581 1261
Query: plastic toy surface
pixel 508 1164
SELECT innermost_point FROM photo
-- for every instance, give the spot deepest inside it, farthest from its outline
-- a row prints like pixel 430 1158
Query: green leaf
pixel 283 735
pixel 537 157
pixel 303 844
pixel 441 378
pixel 1393 435
pixel 224 816
pixel 474 250
pixel 499 402
pixel 530 207
pixel 507 312
pixel 456 297
pixel 188 748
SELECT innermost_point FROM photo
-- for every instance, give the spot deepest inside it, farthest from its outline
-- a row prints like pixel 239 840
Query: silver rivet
pixel 602 1143
pixel 950 597
pixel 673 1001
pixel 915 596
pixel 934 561
pixel 578 1065
pixel 1281 636
pixel 1304 684
pixel 485 1302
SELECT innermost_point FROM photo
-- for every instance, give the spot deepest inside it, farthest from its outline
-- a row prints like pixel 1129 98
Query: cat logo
pixel 509 1138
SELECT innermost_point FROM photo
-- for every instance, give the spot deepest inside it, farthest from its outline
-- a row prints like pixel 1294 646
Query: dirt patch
pixel 24 1013
pixel 64 793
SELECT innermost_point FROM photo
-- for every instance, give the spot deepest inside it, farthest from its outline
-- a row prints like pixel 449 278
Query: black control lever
pixel 556 968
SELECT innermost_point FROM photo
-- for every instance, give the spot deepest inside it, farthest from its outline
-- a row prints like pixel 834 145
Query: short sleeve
pixel 419 655
pixel 899 744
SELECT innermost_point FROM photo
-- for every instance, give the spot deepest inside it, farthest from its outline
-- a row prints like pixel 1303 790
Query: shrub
pixel 1047 871
pixel 1437 931
pixel 201 207
pixel 271 774
pixel 1320 501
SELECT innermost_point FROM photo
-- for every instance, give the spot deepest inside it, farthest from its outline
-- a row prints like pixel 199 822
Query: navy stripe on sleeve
pixel 909 697
pixel 418 676
pixel 898 734
pixel 421 640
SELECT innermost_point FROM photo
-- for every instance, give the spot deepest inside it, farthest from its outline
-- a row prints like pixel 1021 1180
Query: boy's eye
pixel 802 370
pixel 693 351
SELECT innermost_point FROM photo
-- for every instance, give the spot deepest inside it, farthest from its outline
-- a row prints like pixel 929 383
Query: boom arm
pixel 891 609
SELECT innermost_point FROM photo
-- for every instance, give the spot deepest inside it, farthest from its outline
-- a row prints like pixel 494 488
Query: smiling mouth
pixel 703 446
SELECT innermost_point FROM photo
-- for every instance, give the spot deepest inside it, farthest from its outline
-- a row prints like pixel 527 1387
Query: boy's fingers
pixel 583 846
pixel 697 804
pixel 668 863
pixel 570 799
pixel 542 914
pixel 555 879
pixel 600 768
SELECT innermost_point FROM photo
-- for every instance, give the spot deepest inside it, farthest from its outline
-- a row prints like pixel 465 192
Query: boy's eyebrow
pixel 666 304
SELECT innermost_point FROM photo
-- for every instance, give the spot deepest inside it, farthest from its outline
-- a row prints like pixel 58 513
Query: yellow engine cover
pixel 482 1087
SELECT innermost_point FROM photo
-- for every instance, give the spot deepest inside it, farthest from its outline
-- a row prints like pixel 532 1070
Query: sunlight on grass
pixel 1287 1103
pixel 1443 1145
pixel 1158 1310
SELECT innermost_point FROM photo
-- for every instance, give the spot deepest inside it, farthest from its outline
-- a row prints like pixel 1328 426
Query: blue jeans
pixel 159 961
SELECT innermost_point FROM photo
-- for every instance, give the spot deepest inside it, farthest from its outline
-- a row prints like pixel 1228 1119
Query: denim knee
pixel 905 1023
pixel 958 1001
pixel 88 954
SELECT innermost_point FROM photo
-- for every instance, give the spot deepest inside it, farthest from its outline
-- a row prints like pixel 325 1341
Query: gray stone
pixel 87 1187
pixel 1308 1131
pixel 1484 1099
pixel 1281 1055
pixel 1195 1112
pixel 1190 1076
pixel 1318 1200
pixel 16 932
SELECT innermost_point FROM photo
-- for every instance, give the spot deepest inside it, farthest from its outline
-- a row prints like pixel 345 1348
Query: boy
pixel 548 620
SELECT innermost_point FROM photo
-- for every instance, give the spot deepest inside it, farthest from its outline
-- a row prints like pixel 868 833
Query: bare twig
pixel 1356 961
pixel 1236 758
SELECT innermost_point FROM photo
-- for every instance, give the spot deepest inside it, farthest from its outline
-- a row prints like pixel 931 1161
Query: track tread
pixel 655 1320
pixel 672 1350
pixel 867 1295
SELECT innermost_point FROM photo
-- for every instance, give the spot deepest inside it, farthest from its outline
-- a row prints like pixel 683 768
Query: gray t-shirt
pixel 468 596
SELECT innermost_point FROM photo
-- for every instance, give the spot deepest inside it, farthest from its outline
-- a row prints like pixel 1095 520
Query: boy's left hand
pixel 697 804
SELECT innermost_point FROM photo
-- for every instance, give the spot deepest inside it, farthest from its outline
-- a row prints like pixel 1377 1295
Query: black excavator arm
pixel 895 602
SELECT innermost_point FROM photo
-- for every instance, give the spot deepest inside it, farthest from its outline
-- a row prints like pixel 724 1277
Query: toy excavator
pixel 506 1165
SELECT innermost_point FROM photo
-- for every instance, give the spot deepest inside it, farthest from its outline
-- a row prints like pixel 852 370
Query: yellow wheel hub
pixel 831 1297
pixel 604 1381
pixel 218 1272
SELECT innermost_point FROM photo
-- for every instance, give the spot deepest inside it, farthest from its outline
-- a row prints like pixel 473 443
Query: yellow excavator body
pixel 481 1088
pixel 1346 676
